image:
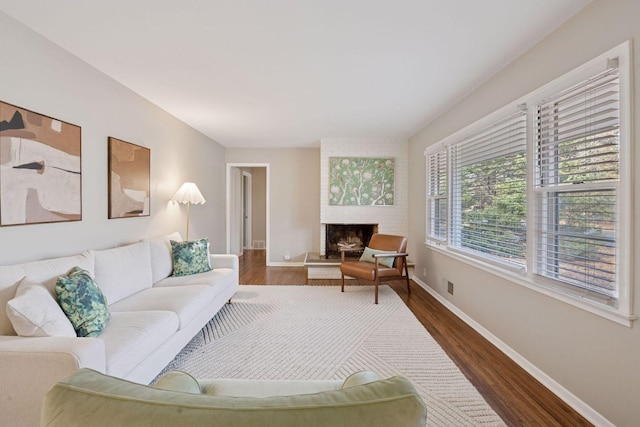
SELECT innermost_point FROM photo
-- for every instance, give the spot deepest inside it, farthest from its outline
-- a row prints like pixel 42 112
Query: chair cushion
pixel 178 381
pixel 366 270
pixel 360 378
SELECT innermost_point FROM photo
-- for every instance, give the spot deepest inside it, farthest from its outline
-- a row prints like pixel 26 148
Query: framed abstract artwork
pixel 40 168
pixel 129 179
pixel 361 181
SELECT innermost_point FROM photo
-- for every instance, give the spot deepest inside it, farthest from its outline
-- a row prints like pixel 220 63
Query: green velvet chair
pixel 89 398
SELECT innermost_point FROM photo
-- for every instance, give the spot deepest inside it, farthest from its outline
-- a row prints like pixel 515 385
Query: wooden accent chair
pixel 374 271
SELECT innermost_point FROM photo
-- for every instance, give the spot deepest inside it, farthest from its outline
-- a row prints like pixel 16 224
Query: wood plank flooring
pixel 516 396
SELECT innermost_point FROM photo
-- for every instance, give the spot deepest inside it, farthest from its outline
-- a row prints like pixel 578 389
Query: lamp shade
pixel 188 193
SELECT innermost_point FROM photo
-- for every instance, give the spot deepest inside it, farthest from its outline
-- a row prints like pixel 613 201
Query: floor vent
pixel 258 244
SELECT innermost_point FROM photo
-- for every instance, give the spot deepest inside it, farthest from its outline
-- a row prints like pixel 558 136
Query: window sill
pixel 583 303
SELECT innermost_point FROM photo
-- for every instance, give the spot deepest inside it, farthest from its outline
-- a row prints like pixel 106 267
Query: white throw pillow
pixel 34 312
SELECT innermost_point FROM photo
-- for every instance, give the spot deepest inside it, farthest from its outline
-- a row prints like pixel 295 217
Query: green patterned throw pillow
pixel 83 302
pixel 368 253
pixel 190 257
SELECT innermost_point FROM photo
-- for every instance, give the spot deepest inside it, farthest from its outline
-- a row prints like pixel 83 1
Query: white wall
pixel 391 219
pixel 595 359
pixel 37 75
pixel 294 198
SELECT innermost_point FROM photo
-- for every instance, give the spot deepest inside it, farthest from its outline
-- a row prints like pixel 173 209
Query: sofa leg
pixel 342 282
pixel 229 302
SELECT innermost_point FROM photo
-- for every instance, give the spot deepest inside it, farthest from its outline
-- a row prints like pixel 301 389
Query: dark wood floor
pixel 514 394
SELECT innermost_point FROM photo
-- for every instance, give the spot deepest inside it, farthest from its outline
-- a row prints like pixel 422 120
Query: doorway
pixel 246 210
pixel 247 207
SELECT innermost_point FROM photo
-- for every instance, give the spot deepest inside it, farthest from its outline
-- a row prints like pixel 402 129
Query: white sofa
pixel 153 315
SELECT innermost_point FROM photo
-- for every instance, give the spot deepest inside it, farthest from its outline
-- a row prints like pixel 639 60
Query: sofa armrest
pixel 30 366
pixel 224 261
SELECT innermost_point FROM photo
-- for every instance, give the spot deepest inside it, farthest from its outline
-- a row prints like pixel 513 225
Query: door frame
pixel 230 212
pixel 246 210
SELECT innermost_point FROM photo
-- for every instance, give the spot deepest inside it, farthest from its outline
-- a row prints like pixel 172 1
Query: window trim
pixel 623 314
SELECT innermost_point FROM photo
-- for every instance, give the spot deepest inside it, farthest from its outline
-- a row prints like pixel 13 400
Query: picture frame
pixel 40 168
pixel 361 181
pixel 129 177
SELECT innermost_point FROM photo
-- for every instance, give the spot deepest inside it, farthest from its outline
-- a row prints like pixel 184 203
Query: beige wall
pixel 38 75
pixel 595 359
pixel 294 198
pixel 258 203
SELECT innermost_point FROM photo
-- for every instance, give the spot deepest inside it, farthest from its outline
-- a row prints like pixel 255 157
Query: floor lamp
pixel 188 193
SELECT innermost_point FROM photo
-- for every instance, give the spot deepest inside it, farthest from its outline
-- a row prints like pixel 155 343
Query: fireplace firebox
pixel 355 236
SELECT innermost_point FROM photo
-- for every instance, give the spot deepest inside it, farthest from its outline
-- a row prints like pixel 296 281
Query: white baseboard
pixel 569 398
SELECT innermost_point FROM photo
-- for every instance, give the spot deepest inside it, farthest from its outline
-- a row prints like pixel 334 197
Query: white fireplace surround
pixel 390 219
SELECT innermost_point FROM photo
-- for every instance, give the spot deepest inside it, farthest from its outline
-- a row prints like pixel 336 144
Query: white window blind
pixel 576 184
pixel 489 191
pixel 437 197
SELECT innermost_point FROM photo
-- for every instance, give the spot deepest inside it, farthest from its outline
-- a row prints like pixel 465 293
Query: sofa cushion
pixel 218 278
pixel 123 271
pixel 190 257
pixel 45 272
pixel 185 301
pixel 161 261
pixel 82 302
pixel 132 336
pixel 34 312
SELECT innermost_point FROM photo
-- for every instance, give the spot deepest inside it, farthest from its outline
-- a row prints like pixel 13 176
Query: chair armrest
pixel 396 254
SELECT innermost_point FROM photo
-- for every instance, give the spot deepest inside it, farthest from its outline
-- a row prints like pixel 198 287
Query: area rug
pixel 317 332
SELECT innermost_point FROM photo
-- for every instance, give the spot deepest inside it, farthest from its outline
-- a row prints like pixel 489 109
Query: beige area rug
pixel 317 332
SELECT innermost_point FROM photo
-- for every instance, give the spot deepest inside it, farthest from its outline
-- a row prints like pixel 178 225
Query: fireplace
pixel 355 236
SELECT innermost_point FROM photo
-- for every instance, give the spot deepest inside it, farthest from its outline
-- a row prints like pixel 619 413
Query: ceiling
pixel 286 73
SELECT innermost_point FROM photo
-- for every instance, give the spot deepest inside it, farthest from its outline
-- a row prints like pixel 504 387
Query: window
pixel 437 197
pixel 489 201
pixel 577 176
pixel 540 190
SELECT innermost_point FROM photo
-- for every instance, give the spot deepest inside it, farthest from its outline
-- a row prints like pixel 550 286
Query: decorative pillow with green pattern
pixel 190 257
pixel 83 302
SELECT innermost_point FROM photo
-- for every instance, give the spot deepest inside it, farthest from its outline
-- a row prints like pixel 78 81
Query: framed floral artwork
pixel 361 181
